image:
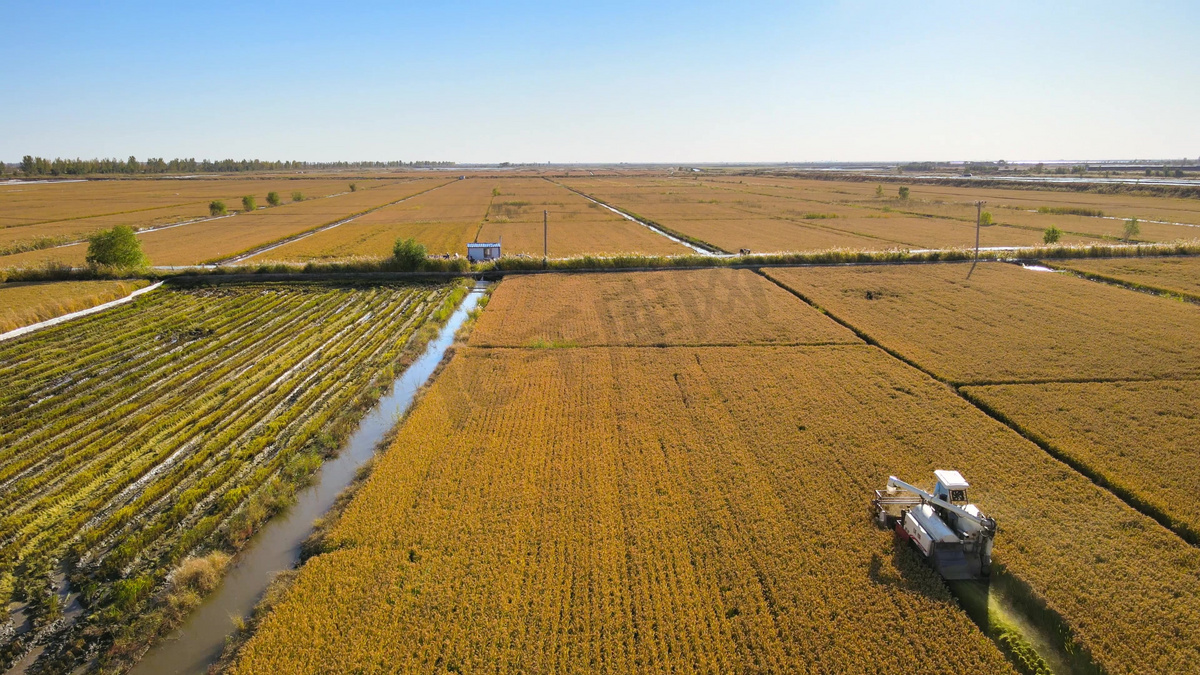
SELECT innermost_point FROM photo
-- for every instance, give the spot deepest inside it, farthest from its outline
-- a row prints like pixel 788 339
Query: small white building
pixel 483 251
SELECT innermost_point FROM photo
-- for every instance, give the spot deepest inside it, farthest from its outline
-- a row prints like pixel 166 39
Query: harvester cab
pixel 950 532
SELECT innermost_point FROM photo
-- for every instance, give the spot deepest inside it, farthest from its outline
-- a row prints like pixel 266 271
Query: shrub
pixel 273 198
pixel 879 191
pixel 118 247
pixel 1132 229
pixel 1070 211
pixel 297 196
pixel 1051 235
pixel 216 207
pixel 903 192
pixel 985 218
pixel 248 203
pixel 409 254
pixel 354 187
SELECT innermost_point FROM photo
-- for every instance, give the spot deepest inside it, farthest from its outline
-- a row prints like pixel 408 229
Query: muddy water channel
pixel 198 643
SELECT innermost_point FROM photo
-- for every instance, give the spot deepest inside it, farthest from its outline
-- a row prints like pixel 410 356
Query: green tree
pixel 297 196
pixel 1051 235
pixel 985 218
pixel 216 207
pixel 118 247
pixel 248 203
pixel 273 198
pixel 903 192
pixel 354 187
pixel 879 191
pixel 1132 229
pixel 409 254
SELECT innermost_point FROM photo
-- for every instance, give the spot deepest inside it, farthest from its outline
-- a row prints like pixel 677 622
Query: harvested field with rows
pixel 1006 323
pixel 172 427
pixel 22 304
pixel 686 508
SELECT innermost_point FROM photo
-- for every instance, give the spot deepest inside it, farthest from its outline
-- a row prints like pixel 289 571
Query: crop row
pixel 179 422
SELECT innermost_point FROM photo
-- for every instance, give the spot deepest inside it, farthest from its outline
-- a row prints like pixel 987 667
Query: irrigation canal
pixel 190 649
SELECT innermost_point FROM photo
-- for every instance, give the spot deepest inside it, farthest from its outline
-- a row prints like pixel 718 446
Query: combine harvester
pixel 952 534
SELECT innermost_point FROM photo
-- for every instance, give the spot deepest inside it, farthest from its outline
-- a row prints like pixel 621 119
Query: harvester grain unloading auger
pixel 952 534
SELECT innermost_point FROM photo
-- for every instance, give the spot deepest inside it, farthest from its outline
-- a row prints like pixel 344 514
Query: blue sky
pixel 592 82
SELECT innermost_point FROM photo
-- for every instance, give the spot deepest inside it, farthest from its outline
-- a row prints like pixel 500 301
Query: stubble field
pixel 173 426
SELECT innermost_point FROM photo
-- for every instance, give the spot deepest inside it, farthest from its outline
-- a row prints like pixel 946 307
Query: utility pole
pixel 978 218
pixel 545 238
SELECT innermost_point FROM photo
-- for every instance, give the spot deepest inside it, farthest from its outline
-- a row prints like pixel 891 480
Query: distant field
pixel 1173 275
pixel 779 213
pixel 669 508
pixel 172 427
pixel 1008 206
pixel 1141 437
pixel 798 216
pixel 22 304
pixel 576 225
pixel 692 307
pixel 1007 323
pixel 444 220
pixel 760 213
pixel 31 211
pixel 223 237
pixel 485 209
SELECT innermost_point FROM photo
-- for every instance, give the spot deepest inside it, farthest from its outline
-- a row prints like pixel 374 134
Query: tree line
pixel 41 166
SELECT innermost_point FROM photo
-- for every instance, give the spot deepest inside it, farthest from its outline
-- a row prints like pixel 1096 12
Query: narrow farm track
pixel 183 420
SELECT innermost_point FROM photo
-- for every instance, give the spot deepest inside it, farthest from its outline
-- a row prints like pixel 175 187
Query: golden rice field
pixel 22 304
pixel 694 508
pixel 30 211
pixel 733 215
pixel 1006 204
pixel 1180 276
pixel 1141 438
pixel 444 219
pixel 606 510
pixel 484 209
pixel 216 239
pixel 1007 324
pixel 761 213
pixel 780 213
pixel 673 307
pixel 576 226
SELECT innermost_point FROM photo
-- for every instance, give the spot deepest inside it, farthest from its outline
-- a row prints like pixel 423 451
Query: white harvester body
pixel 952 534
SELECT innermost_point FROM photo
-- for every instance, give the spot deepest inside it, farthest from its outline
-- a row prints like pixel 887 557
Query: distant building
pixel 483 251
